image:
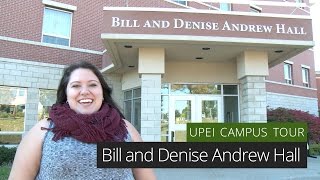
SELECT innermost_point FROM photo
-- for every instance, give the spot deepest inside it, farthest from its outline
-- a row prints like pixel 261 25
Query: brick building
pixel 168 62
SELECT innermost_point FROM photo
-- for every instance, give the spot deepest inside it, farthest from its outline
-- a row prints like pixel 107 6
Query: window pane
pixel 47 99
pixel 137 93
pixel 137 114
pixel 128 94
pixel 164 118
pixel 12 108
pixel 230 89
pixel 195 89
pixel 9 139
pixel 230 109
pixel 181 2
pixel 55 40
pixel 127 110
pixel 225 6
pixel 56 23
pixel 209 111
pixel 165 88
pixel 182 111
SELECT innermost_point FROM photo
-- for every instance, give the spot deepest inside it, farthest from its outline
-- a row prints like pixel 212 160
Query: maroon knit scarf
pixel 106 125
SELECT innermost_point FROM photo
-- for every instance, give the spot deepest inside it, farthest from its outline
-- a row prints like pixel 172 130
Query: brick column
pixel 151 107
pixel 114 82
pixel 253 99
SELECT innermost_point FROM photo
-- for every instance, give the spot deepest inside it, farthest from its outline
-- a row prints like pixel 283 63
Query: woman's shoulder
pixel 135 136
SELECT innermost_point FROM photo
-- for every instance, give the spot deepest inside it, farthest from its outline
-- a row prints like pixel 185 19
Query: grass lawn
pixel 4 172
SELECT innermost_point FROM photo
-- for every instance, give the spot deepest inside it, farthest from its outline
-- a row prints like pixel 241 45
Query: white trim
pixel 288 62
pixel 11 132
pixel 256 7
pixel 201 11
pixel 119 36
pixel 49 45
pixel 288 95
pixel 59 5
pixel 305 66
pixel 274 82
pixel 34 63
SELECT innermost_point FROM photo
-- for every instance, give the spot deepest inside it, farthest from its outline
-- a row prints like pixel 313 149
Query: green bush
pixel 314 149
pixel 7 155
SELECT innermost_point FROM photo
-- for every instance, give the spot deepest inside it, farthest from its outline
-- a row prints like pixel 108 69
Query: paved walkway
pixel 310 173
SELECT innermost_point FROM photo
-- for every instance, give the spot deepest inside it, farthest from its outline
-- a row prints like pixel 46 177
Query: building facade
pixel 168 62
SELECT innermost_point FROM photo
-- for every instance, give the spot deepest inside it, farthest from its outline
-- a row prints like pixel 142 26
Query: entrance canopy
pixel 201 35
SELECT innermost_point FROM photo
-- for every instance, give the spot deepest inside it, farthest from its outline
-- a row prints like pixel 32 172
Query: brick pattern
pixel 33 76
pixel 292 102
pixel 36 53
pixel 151 107
pixel 253 99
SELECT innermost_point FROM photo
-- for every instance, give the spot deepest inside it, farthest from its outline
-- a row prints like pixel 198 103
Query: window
pixel 47 99
pixel 12 109
pixel 288 73
pixel 181 2
pixel 225 6
pixel 305 77
pixel 132 107
pixel 56 26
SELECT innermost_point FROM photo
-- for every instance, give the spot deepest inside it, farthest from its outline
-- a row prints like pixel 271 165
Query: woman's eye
pixel 75 86
pixel 93 85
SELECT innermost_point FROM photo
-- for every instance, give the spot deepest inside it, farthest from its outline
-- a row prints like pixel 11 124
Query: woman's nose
pixel 84 91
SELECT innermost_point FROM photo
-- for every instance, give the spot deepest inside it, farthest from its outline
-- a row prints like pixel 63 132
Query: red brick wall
pixel 306 58
pixel 45 54
pixel 296 91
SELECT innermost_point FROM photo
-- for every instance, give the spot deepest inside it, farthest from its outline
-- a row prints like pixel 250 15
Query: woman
pixel 64 147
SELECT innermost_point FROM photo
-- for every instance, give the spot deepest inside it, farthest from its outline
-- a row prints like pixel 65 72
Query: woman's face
pixel 84 92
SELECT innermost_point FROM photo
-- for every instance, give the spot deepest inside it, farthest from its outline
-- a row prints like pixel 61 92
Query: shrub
pixel 7 155
pixel 289 115
pixel 314 149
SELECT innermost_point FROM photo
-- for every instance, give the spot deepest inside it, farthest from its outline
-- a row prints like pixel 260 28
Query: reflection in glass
pixel 47 99
pixel 165 88
pixel 231 109
pixel 209 111
pixel 12 108
pixel 9 139
pixel 195 89
pixel 230 89
pixel 180 136
pixel 164 118
pixel 137 114
pixel 182 111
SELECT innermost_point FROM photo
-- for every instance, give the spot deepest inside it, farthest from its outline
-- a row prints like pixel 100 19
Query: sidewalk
pixel 310 173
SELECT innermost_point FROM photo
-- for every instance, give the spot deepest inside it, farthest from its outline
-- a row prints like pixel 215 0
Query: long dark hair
pixel 62 95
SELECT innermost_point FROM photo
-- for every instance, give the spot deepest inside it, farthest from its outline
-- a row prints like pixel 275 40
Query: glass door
pixel 209 109
pixel 182 111
pixel 185 109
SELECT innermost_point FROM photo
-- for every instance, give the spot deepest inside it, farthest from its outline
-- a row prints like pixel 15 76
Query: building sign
pixel 206 24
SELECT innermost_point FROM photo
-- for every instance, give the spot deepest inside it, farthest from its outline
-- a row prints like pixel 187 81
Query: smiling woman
pixel 64 146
